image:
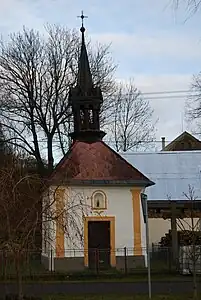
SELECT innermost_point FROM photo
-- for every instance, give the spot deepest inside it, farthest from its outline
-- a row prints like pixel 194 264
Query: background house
pixel 172 172
pixel 184 142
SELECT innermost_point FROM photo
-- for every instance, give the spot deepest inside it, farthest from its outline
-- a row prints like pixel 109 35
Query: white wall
pixel 159 227
pixel 119 205
pixel 48 238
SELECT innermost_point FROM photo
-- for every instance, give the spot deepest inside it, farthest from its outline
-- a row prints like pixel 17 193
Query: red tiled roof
pixel 95 161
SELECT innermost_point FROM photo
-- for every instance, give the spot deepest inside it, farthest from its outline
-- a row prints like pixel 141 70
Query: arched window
pixel 99 200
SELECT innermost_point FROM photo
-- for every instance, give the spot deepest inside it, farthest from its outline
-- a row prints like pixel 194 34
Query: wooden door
pixel 99 244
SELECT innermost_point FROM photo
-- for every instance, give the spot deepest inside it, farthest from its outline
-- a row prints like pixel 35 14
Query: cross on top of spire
pixel 82 17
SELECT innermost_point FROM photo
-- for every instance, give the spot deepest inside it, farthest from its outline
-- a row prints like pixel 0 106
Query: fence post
pixel 3 263
pixel 97 260
pixel 51 261
pixel 125 261
pixel 170 258
pixel 28 253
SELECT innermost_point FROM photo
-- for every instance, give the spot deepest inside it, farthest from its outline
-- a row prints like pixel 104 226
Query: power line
pixel 166 94
pixel 169 92
pixel 113 141
pixel 194 92
pixel 167 97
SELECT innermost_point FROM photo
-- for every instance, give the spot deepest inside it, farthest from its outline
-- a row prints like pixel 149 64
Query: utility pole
pixel 146 220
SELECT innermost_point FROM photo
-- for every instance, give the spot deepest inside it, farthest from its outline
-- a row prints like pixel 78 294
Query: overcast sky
pixel 159 48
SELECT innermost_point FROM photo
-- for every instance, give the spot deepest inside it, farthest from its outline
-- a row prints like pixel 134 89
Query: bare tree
pixel 193 104
pixel 23 215
pixel 188 237
pixel 67 214
pixel 190 227
pixel 19 213
pixel 191 5
pixel 35 75
pixel 133 125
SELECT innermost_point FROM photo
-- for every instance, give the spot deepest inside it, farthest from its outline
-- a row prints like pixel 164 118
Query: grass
pixel 118 297
pixel 112 277
pixel 91 276
pixel 132 278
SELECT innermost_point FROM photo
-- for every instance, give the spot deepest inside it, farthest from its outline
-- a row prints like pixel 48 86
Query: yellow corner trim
pixel 137 221
pixel 59 196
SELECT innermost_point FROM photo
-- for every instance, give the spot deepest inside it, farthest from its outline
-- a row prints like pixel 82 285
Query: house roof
pixel 96 163
pixel 172 172
pixel 179 139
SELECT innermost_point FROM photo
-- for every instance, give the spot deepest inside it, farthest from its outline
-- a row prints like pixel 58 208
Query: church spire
pixel 85 100
pixel 84 80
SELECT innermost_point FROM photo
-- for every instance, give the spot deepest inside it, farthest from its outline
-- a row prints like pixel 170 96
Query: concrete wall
pixel 45 261
pixel 76 264
pixel 132 262
pixel 69 264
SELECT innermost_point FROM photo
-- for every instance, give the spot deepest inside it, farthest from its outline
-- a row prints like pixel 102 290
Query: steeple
pixel 84 79
pixel 85 100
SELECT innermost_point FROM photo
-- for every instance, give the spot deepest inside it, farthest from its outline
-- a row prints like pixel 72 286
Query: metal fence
pixel 31 265
pixel 190 259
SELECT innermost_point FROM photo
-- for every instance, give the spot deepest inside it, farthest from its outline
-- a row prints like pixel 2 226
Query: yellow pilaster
pixel 59 197
pixel 137 221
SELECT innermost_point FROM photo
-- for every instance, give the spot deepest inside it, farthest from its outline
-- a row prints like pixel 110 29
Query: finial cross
pixel 82 17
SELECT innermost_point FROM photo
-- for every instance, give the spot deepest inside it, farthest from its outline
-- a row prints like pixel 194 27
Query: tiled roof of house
pixel 176 144
pixel 172 172
pixel 96 163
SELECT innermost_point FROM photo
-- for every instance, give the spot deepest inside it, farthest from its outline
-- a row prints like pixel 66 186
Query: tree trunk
pixel 40 164
pixel 50 154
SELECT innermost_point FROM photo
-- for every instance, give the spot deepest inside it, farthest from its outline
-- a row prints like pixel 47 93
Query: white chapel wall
pixel 119 205
pixel 48 226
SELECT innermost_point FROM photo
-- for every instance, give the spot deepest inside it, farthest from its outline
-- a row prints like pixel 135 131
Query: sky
pixel 151 42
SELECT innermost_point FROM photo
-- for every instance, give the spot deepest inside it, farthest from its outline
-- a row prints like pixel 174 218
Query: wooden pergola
pixel 173 210
pixel 181 208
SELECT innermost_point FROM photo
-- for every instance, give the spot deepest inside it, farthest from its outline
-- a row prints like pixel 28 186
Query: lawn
pixel 118 297
pixel 112 278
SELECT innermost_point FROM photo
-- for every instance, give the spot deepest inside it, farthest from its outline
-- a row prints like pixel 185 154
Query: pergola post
pixel 174 232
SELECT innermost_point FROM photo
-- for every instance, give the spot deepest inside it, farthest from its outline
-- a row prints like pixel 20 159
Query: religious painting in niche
pixel 99 201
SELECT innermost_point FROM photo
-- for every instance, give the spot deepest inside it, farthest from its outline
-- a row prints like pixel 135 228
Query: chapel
pixel 97 192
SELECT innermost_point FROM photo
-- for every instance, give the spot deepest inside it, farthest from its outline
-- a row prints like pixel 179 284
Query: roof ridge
pixel 162 152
